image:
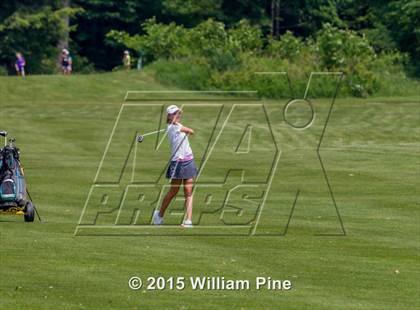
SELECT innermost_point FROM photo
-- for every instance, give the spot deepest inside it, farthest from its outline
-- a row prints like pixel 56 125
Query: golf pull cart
pixel 14 196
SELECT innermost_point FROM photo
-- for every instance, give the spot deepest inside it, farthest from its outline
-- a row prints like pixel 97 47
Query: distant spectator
pixel 127 60
pixel 66 62
pixel 20 65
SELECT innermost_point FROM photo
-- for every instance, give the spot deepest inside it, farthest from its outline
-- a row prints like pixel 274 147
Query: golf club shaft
pixel 36 211
pixel 153 132
pixel 37 214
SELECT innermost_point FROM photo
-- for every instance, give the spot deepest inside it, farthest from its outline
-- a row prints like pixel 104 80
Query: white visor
pixel 172 109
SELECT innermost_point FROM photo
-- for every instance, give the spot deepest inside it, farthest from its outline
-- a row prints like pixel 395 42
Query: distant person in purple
pixel 20 65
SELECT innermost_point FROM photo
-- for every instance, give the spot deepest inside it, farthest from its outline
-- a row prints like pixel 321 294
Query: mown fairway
pixel 370 152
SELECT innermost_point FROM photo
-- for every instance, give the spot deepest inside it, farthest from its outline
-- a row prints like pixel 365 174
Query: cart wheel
pixel 29 212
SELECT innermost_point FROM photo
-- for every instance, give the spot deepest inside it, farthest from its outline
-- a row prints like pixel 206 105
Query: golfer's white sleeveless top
pixel 180 146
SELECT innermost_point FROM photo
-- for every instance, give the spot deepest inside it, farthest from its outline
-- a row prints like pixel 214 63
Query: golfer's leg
pixel 188 189
pixel 175 184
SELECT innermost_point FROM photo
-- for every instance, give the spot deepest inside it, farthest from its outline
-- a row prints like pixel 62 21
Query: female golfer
pixel 182 169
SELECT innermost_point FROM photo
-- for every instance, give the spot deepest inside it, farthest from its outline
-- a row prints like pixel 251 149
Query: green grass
pixel 370 151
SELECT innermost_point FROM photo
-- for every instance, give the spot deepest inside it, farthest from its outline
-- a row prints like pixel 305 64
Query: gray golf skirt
pixel 181 170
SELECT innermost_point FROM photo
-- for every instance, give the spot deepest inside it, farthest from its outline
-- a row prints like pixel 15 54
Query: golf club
pixel 140 138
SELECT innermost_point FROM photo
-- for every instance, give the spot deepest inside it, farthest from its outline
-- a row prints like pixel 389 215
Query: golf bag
pixel 12 182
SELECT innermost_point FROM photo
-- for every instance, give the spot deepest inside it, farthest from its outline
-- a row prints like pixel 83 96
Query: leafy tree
pixel 99 17
pixel 191 12
pixel 256 11
pixel 287 46
pixel 209 41
pixel 159 41
pixel 305 18
pixel 389 25
pixel 9 7
pixel 404 24
pixel 346 51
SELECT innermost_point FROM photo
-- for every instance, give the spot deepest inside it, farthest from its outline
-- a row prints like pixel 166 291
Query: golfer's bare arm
pixel 187 130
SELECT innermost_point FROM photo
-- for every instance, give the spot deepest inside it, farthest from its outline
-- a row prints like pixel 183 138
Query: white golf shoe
pixel 157 219
pixel 187 224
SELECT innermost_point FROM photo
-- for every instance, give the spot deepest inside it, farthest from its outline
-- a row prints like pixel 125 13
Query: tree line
pixel 41 28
